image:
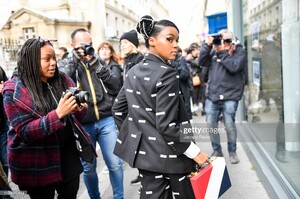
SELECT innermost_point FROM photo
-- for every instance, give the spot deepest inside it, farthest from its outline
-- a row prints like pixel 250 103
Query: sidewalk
pixel 245 182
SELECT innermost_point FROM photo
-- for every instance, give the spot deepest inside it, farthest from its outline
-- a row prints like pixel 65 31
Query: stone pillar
pixel 291 72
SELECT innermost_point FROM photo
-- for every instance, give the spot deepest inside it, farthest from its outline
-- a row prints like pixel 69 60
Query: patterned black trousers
pixel 165 186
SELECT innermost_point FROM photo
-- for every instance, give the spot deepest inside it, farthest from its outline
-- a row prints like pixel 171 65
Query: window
pixel 117 24
pixel 270 18
pixel 272 44
pixel 29 33
pixel 107 19
pixel 277 15
pixel 265 20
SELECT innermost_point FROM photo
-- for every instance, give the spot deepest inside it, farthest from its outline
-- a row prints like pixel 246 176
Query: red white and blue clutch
pixel 211 181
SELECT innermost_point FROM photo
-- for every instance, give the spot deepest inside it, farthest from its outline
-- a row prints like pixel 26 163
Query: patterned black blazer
pixel 149 119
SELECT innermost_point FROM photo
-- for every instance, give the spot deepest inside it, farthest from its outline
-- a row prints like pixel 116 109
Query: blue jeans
pixel 4 126
pixel 213 111
pixel 104 132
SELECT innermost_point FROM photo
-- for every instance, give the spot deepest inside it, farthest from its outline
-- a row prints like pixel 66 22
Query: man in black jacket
pixel 226 61
pixel 93 76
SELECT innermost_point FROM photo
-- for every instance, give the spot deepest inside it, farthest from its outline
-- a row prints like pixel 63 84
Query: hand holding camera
pixel 216 41
pixel 1 86
pixel 72 100
pixel 84 52
pixel 209 40
pixel 222 42
pixel 80 96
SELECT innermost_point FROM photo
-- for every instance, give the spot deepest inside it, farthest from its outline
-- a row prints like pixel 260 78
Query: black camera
pixel 217 41
pixel 88 49
pixel 81 96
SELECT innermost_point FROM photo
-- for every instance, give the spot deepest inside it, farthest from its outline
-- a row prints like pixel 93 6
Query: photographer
pixel 93 76
pixel 226 61
pixel 42 146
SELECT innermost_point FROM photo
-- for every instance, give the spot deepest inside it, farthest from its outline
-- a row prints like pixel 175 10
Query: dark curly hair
pixel 148 27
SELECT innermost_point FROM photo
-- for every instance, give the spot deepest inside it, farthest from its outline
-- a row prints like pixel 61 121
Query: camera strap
pixel 92 89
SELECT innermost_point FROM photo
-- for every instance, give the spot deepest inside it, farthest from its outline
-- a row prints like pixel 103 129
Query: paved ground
pixel 245 182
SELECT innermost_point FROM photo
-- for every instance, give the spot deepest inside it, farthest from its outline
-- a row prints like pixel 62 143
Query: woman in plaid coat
pixel 43 155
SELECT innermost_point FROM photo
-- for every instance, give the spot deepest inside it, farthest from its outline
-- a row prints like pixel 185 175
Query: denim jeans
pixel 4 126
pixel 104 132
pixel 213 111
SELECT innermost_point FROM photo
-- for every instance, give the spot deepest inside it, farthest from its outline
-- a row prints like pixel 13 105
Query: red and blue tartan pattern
pixel 34 153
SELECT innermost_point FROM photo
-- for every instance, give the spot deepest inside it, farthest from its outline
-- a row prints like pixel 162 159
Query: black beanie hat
pixel 131 36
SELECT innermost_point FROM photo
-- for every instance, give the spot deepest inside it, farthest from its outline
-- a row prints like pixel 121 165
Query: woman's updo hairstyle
pixel 148 27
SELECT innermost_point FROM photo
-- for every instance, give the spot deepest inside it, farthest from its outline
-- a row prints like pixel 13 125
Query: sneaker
pixel 267 109
pixel 221 118
pixel 217 154
pixel 105 170
pixel 136 181
pixel 196 108
pixel 256 119
pixel 233 158
pixel 281 156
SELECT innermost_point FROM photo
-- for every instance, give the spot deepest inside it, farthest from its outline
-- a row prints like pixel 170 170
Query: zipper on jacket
pixel 50 89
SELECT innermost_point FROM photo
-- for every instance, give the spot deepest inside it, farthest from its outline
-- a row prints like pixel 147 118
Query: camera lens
pixel 89 50
pixel 82 97
pixel 217 41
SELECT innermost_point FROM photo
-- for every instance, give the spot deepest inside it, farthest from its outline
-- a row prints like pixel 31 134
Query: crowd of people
pixel 133 106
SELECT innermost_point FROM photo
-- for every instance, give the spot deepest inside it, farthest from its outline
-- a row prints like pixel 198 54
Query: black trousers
pixel 65 190
pixel 196 95
pixel 165 186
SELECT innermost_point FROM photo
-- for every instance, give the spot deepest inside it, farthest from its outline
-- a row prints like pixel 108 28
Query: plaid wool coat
pixel 33 145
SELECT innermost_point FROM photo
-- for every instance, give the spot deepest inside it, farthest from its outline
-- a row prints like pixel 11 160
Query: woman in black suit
pixel 148 116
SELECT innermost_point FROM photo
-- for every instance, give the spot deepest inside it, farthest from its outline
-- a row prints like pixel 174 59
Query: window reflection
pixel 264 97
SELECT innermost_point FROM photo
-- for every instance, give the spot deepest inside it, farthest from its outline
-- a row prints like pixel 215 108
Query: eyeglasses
pixel 43 41
pixel 227 40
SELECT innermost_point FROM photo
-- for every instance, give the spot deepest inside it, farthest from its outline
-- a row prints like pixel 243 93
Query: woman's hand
pixel 78 53
pixel 81 107
pixel 66 105
pixel 201 158
pixel 1 86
